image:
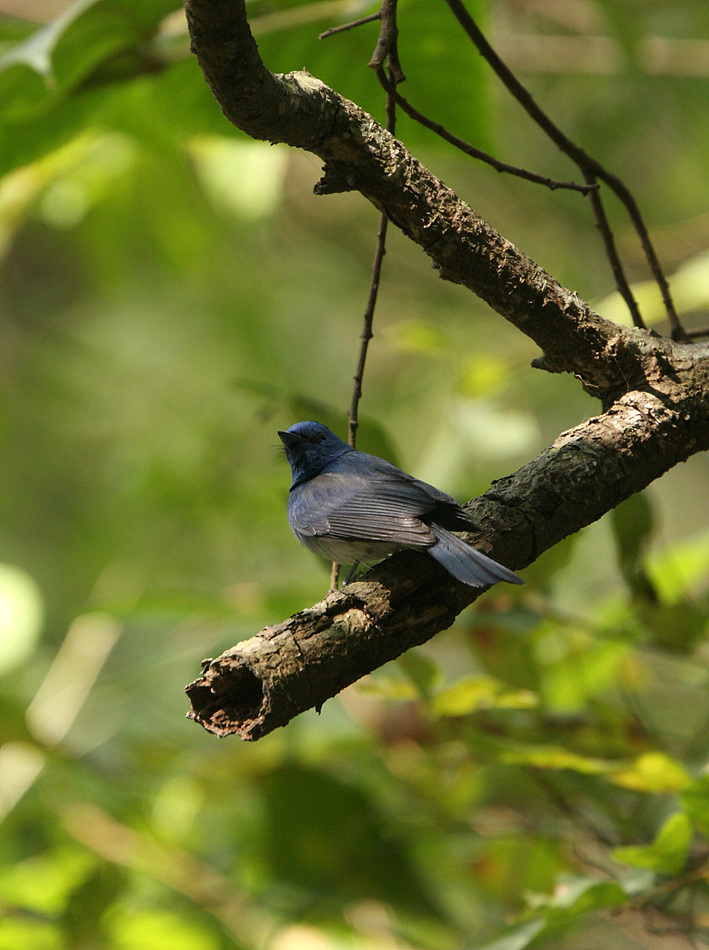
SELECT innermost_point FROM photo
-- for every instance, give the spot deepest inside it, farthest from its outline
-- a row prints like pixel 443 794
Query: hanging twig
pixel 386 47
pixel 621 281
pixel 471 150
pixel 591 168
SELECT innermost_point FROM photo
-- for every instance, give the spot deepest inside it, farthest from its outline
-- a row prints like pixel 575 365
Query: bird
pixel 352 508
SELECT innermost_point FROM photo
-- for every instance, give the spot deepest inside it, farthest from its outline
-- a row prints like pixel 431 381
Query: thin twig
pixel 365 337
pixel 387 49
pixel 367 332
pixel 621 281
pixel 589 165
pixel 471 150
pixel 379 252
pixel 697 332
pixel 350 26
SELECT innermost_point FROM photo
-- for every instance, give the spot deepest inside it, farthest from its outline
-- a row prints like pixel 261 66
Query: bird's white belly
pixel 348 552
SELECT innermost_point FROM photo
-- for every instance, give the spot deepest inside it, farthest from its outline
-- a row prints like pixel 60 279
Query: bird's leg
pixel 350 573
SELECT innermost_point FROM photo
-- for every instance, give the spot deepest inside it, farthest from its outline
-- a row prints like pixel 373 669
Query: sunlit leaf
pixel 676 571
pixel 45 883
pixel 668 852
pixel 554 758
pixel 480 692
pixel 37 934
pixel 161 930
pixel 653 772
pixel 244 178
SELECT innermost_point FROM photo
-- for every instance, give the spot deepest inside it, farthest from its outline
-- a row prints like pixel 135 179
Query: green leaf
pixel 63 53
pixel 515 939
pixel 668 852
pixel 423 672
pixel 653 772
pixel 338 846
pixel 574 896
pixel 695 800
pixel 156 929
pixel 555 758
pixel 633 525
pixel 578 666
pixel 480 692
pixel 37 934
pixel 44 883
pixel 675 571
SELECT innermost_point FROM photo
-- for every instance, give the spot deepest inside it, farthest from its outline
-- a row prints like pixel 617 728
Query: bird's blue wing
pixel 374 507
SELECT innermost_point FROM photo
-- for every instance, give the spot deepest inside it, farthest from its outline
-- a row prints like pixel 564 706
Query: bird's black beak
pixel 289 439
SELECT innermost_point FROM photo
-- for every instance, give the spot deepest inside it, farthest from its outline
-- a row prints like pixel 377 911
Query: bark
pixel 655 396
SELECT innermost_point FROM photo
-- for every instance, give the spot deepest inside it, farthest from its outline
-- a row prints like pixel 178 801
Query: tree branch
pixel 655 393
pixel 360 155
pixel 265 681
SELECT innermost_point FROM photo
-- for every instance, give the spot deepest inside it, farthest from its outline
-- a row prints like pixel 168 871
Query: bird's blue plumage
pixel 349 507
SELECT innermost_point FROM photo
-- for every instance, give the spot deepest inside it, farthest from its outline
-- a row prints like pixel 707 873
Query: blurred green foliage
pixel 171 294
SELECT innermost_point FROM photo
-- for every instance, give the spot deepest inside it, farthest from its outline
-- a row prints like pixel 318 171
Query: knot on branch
pixel 337 178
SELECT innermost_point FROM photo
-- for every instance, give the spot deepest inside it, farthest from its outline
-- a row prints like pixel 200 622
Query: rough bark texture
pixel 262 683
pixel 655 394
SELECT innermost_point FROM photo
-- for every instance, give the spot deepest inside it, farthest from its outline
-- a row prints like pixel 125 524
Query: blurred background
pixel 171 293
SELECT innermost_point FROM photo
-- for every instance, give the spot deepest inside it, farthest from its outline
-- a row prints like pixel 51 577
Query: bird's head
pixel 309 447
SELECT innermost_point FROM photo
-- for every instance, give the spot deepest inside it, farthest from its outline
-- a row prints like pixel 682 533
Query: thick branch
pixel 656 395
pixel 264 682
pixel 360 155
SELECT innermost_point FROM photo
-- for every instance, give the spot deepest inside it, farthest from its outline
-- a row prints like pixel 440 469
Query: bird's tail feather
pixel 465 563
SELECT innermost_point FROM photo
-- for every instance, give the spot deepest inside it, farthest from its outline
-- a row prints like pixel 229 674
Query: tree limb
pixel 655 394
pixel 359 154
pixel 265 681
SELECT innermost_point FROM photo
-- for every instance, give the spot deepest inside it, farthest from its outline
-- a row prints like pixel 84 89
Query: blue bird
pixel 349 507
